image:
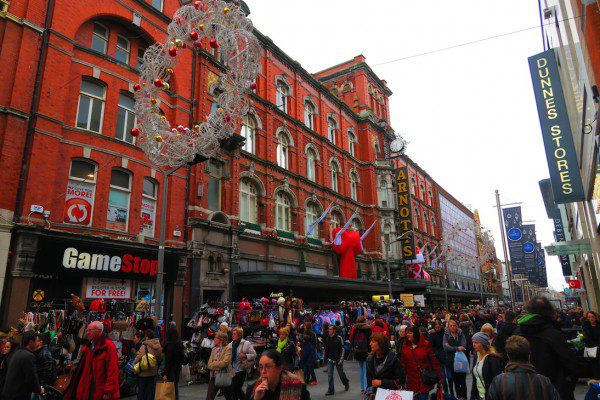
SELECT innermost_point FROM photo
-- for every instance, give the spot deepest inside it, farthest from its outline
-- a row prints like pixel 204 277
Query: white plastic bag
pixel 386 394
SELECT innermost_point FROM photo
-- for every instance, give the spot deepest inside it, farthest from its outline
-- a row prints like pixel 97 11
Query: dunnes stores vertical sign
pixel 405 223
pixel 556 130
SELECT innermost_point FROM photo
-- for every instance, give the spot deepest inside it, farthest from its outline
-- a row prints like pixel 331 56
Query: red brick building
pixel 236 224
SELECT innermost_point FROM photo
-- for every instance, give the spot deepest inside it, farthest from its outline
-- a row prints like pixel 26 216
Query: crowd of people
pixel 519 354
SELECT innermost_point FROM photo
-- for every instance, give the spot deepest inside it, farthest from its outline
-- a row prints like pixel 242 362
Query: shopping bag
pixel 185 375
pixel 461 364
pixel 164 391
pixel 386 394
pixel 223 380
pixel 590 352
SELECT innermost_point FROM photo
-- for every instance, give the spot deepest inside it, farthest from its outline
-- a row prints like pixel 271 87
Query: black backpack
pixel 361 341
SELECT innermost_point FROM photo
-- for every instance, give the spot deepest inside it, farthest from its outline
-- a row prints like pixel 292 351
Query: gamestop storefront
pixel 91 268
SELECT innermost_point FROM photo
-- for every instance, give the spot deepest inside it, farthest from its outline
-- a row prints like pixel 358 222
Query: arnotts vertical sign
pixel 405 222
pixel 514 232
pixel 556 130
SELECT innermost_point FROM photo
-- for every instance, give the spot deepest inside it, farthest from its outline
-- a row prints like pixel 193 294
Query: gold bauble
pixel 153 100
pixel 169 71
pixel 201 26
pixel 158 138
pixel 226 10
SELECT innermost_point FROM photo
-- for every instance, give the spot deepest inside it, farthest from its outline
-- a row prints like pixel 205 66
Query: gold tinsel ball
pixel 163 117
pixel 169 71
pixel 219 109
pixel 236 7
pixel 178 42
pixel 153 100
pixel 201 26
pixel 226 10
pixel 197 127
pixel 166 86
pixel 158 138
pixel 178 135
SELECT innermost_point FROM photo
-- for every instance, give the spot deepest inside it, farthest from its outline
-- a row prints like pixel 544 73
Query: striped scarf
pixel 290 386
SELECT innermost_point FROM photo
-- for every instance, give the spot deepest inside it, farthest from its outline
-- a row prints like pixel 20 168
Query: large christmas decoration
pixel 223 27
pixel 348 248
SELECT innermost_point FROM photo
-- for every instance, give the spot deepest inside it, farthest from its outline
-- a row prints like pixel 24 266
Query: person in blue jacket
pixel 308 355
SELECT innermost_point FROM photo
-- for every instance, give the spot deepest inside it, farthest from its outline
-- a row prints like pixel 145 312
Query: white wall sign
pixel 98 288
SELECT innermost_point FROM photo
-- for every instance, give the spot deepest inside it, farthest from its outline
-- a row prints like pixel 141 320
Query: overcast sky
pixel 469 113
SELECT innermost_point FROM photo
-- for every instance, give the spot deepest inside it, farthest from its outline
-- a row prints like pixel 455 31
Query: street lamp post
pixel 504 249
pixel 388 248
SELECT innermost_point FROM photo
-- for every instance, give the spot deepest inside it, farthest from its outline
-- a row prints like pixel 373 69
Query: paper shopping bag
pixel 385 394
pixel 164 391
pixel 185 375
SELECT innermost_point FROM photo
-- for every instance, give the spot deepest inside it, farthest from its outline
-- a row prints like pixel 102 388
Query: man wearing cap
pixel 97 375
pixel 489 364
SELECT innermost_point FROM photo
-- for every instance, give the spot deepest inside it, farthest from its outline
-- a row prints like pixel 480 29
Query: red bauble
pixel 136 87
pixel 194 35
pixel 198 44
pixel 173 51
pixel 197 4
pixel 253 85
pixel 158 82
pixel 135 132
pixel 213 43
pixel 227 117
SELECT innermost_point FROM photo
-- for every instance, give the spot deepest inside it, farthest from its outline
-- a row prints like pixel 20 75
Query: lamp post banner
pixel 529 250
pixel 514 233
pixel 543 277
pixel 556 129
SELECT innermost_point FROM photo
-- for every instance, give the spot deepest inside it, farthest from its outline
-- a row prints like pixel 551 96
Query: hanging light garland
pixel 223 26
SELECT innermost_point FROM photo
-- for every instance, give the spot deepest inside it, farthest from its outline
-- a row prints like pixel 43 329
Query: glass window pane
pixel 119 178
pixel 157 4
pixel 214 192
pixel 98 44
pixel 122 42
pixel 120 134
pixel 149 188
pixel 92 88
pixel 82 169
pixel 84 111
pixel 129 126
pixel 100 30
pixel 96 115
pixel 122 56
pixel 126 101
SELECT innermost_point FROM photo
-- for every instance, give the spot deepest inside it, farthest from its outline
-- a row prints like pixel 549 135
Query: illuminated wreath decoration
pixel 222 26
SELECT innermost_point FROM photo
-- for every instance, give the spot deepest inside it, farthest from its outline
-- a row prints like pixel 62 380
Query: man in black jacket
pixel 519 380
pixel 550 354
pixel 504 332
pixel 22 378
pixel 334 355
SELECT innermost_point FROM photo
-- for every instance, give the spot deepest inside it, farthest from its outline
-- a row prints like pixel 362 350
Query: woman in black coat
pixel 7 352
pixel 436 338
pixel 591 338
pixel 173 358
pixel 384 369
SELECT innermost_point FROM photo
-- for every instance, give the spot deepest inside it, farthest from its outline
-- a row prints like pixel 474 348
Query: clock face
pixel 398 145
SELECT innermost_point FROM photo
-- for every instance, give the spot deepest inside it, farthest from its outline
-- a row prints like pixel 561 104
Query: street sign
pixel 407 299
pixel 581 246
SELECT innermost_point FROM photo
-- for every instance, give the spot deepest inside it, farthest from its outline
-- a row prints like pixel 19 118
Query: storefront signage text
pixel 129 263
pixel 97 288
pixel 405 223
pixel 556 129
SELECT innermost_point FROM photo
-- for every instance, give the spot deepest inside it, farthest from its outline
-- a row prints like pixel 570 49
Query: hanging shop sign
pixel 382 297
pixel 63 258
pixel 580 246
pixel 407 299
pixel 420 300
pixel 79 203
pixel 405 222
pixel 542 279
pixel 556 128
pixel 99 288
pixel 514 232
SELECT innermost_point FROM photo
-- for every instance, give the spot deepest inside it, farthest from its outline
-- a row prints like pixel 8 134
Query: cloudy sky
pixel 469 112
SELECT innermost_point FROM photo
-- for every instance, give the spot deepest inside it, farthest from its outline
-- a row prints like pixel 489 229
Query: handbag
pixel 62 382
pixel 590 352
pixel 222 379
pixel 185 375
pixel 147 362
pixel 428 376
pixel 164 391
pixel 129 368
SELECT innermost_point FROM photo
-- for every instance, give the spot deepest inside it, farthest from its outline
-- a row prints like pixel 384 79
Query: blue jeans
pixel 341 373
pixel 362 365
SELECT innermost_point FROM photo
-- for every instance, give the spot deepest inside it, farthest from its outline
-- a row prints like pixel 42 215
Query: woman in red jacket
pixel 418 358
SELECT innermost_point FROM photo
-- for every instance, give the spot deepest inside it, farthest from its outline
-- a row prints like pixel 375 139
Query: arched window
pixel 99 38
pixel 312 214
pixel 354 185
pixel 331 129
pixel 311 164
pixel 422 192
pixel 90 111
pixel 283 150
pixel 351 143
pixel 125 118
pixel 425 222
pixel 430 198
pixel 335 175
pixel 123 49
pixel 117 216
pixel 335 220
pixel 249 133
pixel 149 198
pixel 81 185
pixel 357 225
pixel 283 212
pixel 387 229
pixel 417 219
pixel 433 226
pixel 413 186
pixel 248 202
pixel 309 115
pixel 281 96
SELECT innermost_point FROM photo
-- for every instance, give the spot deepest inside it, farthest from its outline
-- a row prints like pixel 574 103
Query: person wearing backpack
pixel 147 377
pixel 360 337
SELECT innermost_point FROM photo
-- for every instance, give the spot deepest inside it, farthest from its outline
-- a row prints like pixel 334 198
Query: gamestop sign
pixel 127 264
pixel 98 288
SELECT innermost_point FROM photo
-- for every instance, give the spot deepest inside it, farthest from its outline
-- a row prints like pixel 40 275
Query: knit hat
pixel 482 338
